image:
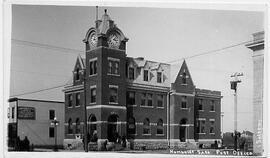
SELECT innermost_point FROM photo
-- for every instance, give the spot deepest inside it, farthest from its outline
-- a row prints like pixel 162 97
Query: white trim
pixel 147 134
pixel 93 86
pixel 106 106
pixel 93 75
pixel 201 133
pixel 160 107
pixel 113 103
pixel 132 105
pixel 113 59
pixel 201 119
pixel 113 86
pixel 160 135
pixel 152 140
pixel 212 120
pixel 93 59
pixel 201 110
pixel 208 140
pixel 144 106
pixel 113 74
pixel 182 94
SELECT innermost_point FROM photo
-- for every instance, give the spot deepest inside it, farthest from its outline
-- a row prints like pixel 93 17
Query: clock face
pixel 93 39
pixel 113 41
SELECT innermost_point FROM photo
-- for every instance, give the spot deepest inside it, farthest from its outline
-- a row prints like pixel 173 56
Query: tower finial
pixel 96 13
pixel 105 10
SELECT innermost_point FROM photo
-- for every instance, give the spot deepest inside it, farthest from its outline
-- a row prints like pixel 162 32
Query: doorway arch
pixel 112 133
pixel 92 127
pixel 182 130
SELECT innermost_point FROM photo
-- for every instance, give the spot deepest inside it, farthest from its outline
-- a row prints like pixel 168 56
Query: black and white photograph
pixel 135 79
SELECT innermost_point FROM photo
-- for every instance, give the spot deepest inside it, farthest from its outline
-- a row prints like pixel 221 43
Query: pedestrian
pixel 124 142
pixel 26 144
pixel 17 144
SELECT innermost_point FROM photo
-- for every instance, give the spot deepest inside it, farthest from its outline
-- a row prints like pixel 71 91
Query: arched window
pixel 77 127
pixel 146 126
pixel 131 125
pixel 77 75
pixel 160 126
pixel 70 126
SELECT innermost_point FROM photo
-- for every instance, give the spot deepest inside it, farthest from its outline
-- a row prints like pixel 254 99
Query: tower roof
pixel 105 23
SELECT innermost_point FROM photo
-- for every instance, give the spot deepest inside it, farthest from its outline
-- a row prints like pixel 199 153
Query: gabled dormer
pixel 78 71
pixel 183 82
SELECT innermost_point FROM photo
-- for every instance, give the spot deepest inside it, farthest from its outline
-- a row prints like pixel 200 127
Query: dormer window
pixel 159 77
pixel 184 78
pixel 131 74
pixel 77 74
pixel 145 75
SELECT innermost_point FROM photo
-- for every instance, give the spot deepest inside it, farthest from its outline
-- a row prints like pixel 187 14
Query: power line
pixel 47 46
pixel 38 90
pixel 40 73
pixel 210 52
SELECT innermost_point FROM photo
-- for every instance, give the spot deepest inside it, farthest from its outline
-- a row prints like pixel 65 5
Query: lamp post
pixel 55 123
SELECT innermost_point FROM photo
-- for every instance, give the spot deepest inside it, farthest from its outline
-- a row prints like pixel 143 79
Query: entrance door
pixel 182 130
pixel 112 133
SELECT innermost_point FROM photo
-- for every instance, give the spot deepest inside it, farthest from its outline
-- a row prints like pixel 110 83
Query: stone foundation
pixel 71 144
pixel 148 144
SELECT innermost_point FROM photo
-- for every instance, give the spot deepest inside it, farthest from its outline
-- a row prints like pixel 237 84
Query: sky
pixel 157 34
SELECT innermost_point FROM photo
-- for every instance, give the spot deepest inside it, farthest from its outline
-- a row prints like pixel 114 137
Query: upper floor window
pixel 77 126
pixel 159 77
pixel 131 98
pixel 143 99
pixel 51 114
pixel 78 99
pixel 212 126
pixel 77 74
pixel 131 73
pixel 131 125
pixel 113 66
pixel 184 78
pixel 146 126
pixel 201 126
pixel 93 94
pixel 70 100
pixel 93 66
pixel 200 105
pixel 113 94
pixel 160 126
pixel 212 105
pixel 160 100
pixel 145 75
pixel 184 102
pixel 150 99
pixel 12 112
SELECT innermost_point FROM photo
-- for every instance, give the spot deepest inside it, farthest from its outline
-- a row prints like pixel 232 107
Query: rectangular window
pixel 113 66
pixel 13 112
pixel 51 114
pixel 51 132
pixel 159 77
pixel 110 68
pixel 212 105
pixel 113 94
pixel 145 75
pixel 150 99
pixel 200 105
pixel 116 69
pixel 78 99
pixel 70 100
pixel 93 67
pixel 93 94
pixel 77 74
pixel 143 99
pixel 212 127
pixel 201 126
pixel 131 73
pixel 184 102
pixel 160 99
pixel 131 98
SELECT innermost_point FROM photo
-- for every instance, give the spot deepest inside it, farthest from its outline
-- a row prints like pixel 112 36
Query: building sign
pixel 26 113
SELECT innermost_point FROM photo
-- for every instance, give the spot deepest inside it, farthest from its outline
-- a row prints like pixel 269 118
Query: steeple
pixel 104 24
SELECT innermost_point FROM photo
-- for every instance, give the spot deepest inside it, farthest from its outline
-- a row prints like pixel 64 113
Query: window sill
pixel 69 107
pixel 201 133
pixel 184 108
pixel 114 103
pixel 147 106
pixel 160 107
pixel 212 111
pixel 133 134
pixel 78 106
pixel 132 105
pixel 93 103
pixel 201 110
pixel 212 133
pixel 146 134
pixel 93 75
pixel 160 135
pixel 113 74
pixel 183 84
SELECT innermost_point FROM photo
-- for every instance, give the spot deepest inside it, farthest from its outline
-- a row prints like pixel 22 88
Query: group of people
pixel 22 145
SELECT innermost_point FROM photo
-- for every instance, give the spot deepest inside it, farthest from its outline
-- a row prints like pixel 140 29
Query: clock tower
pixel 105 80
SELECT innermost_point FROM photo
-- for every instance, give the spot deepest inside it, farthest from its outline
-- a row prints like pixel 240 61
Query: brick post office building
pixel 129 97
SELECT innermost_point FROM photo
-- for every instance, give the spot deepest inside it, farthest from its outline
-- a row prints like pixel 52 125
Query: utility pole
pixel 234 87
